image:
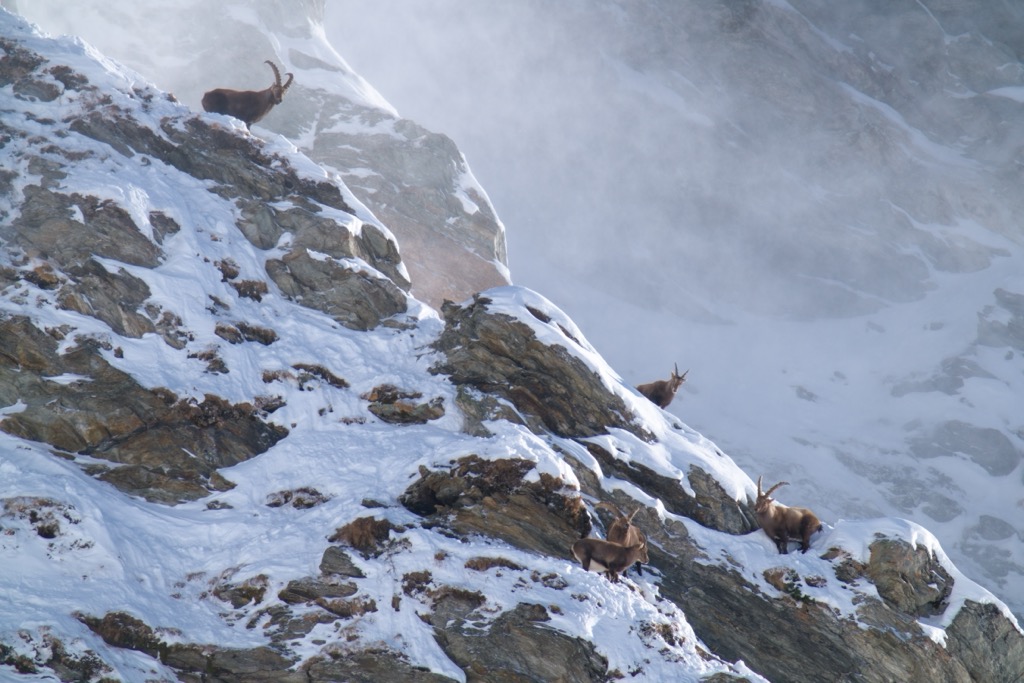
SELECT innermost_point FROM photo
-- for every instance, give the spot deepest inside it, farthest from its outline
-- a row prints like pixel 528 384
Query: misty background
pixel 813 208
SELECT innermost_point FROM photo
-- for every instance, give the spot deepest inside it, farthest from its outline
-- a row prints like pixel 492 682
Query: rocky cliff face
pixel 415 181
pixel 208 332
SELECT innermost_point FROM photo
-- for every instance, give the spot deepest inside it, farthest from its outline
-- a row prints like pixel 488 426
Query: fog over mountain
pixel 815 210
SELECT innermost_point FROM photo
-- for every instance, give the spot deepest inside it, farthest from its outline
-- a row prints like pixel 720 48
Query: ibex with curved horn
pixel 662 391
pixel 782 522
pixel 597 555
pixel 248 105
pixel 624 532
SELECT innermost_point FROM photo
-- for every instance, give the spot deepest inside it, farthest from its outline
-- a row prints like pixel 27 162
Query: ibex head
pixel 277 90
pixel 764 500
pixel 676 379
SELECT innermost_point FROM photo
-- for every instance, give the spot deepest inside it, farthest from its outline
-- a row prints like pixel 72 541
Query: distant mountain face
pixel 816 162
pixel 419 185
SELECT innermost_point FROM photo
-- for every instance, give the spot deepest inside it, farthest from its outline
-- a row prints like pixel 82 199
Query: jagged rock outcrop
pixel 515 648
pixel 491 498
pixel 550 390
pixel 452 241
pixel 498 354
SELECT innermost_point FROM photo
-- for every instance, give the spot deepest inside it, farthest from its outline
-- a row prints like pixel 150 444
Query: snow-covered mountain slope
pixel 814 208
pixel 234 448
pixel 414 180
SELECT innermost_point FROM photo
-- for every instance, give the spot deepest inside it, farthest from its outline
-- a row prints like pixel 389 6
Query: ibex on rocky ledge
pixel 623 532
pixel 597 555
pixel 781 522
pixel 248 105
pixel 663 391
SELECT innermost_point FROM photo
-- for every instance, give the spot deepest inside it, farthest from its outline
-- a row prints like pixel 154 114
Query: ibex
pixel 604 556
pixel 248 105
pixel 622 531
pixel 781 522
pixel 663 391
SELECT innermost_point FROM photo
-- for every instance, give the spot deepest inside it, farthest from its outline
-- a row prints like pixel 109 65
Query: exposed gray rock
pixel 999 332
pixel 712 507
pixel 987 643
pixel 451 251
pixel 336 561
pixel 369 666
pixel 552 390
pixel 107 415
pixel 793 638
pixel 310 590
pixel 910 580
pixel 490 498
pixel 358 300
pixel 114 298
pixel 949 381
pixel 393 405
pixel 497 355
pixel 45 229
pixel 514 648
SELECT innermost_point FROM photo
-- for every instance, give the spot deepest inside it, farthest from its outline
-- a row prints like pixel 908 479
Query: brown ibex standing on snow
pixel 623 532
pixel 781 522
pixel 248 105
pixel 597 555
pixel 663 391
